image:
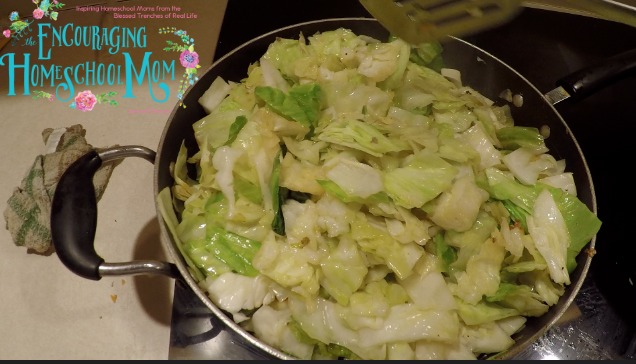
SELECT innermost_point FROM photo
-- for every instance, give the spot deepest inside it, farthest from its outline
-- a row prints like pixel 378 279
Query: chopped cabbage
pixel 353 199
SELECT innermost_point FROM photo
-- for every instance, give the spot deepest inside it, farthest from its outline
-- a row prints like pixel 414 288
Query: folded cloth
pixel 28 210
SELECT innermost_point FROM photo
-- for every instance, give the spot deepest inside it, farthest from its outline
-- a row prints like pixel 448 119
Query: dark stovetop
pixel 543 46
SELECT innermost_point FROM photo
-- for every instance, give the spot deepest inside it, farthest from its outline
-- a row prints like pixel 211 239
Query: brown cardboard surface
pixel 47 312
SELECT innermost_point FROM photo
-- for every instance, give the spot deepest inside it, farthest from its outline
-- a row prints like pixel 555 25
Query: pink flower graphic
pixel 38 13
pixel 189 59
pixel 85 101
pixel 6 33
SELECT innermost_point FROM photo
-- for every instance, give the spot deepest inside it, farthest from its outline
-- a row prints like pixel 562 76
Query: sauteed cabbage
pixel 352 199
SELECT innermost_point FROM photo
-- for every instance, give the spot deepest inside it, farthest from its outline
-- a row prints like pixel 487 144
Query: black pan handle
pixel 594 77
pixel 74 219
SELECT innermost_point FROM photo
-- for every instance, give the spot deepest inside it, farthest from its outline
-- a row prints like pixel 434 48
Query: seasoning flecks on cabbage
pixel 353 199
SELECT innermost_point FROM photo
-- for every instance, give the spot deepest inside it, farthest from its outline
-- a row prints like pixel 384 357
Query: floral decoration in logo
pixel 21 27
pixel 188 58
pixel 43 95
pixel 86 100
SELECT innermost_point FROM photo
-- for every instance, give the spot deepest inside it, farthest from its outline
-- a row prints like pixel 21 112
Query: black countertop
pixel 543 46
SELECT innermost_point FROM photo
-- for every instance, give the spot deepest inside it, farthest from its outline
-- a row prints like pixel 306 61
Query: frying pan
pixel 74 207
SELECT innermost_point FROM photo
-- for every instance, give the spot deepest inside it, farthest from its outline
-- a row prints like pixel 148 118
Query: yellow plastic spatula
pixel 419 21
